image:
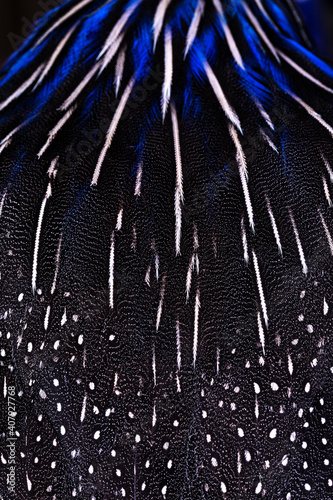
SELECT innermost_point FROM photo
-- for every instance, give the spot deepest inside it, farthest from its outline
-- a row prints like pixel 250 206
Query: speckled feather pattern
pixel 166 254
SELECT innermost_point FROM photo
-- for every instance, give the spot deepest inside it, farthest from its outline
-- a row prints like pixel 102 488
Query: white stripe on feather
pixel 112 129
pixel 138 181
pixel 264 113
pixel 299 244
pixel 194 26
pixel 274 226
pixel 55 55
pixel 179 197
pixel 168 64
pixel 5 145
pixel 55 130
pixel 159 19
pixel 160 306
pixel 261 333
pixel 244 240
pixel 154 365
pixel 254 21
pixel 179 354
pixel 22 88
pixel 269 141
pixel 327 231
pixel 111 52
pixel 228 110
pixel 62 19
pixel 111 271
pixel 84 405
pixel 304 73
pixel 240 157
pixel 3 198
pixel 7 140
pixel 229 37
pixel 54 284
pixel 147 277
pixel 328 167
pixel 120 220
pixel 73 96
pixel 48 194
pixel 260 288
pixel 119 71
pixel 263 10
pixel 179 170
pixel 312 113
pixel 327 192
pixel 189 277
pixel 196 326
pixel 119 27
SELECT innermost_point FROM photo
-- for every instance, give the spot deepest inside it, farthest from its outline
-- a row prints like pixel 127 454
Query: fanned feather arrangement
pixel 166 255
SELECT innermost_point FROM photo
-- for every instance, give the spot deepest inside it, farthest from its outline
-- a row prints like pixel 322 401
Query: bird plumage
pixel 166 241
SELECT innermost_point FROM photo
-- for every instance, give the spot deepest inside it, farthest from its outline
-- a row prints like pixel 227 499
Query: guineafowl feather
pixel 166 254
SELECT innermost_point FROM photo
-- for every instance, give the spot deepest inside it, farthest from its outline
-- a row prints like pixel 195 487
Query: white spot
pixel 309 328
pixel 62 430
pixel 325 307
pixel 307 387
pixel 292 436
pixel 256 388
pixel 290 365
pixel 314 362
pixel 273 433
pixel 247 455
pixel 307 487
pixel 56 382
pixel 29 484
pixel 223 487
pixel 91 469
pixel 97 435
pixel 42 394
pixel 214 462
pixel 274 386
pixel 20 297
pixel 285 460
pixel 240 432
pixel 258 488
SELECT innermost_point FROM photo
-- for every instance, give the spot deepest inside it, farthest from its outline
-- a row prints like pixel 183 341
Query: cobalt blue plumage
pixel 166 254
